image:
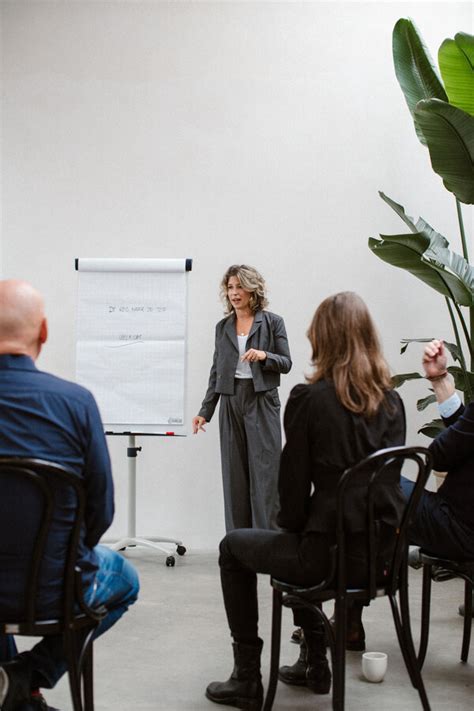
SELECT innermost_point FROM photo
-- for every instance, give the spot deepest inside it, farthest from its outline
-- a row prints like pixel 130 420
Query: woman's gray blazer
pixel 267 334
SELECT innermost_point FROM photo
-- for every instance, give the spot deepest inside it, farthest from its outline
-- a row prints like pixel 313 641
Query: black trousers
pixel 436 528
pixel 292 557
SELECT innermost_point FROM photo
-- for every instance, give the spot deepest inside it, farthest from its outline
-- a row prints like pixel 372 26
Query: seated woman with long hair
pixel 346 411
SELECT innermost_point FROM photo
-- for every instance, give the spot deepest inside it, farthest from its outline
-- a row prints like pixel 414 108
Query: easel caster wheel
pixel 180 550
pixel 170 561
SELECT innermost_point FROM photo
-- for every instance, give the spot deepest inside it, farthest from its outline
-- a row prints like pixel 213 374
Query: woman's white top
pixel 243 368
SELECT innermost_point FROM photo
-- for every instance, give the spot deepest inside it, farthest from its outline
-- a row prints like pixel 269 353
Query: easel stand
pixel 131 539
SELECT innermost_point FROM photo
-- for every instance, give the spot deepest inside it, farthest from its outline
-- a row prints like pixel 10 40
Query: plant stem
pixel 466 257
pixel 462 362
pixel 465 329
pixel 456 335
pixel 471 325
pixel 461 230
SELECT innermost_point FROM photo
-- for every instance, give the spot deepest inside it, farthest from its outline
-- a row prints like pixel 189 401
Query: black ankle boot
pixel 296 673
pixel 243 689
pixel 355 633
pixel 318 674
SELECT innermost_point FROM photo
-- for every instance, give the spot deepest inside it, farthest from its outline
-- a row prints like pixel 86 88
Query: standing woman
pixel 251 350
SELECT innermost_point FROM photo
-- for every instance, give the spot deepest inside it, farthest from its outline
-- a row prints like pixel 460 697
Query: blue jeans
pixel 116 586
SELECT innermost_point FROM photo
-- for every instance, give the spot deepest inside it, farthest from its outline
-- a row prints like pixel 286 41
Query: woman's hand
pixel 198 424
pixel 253 355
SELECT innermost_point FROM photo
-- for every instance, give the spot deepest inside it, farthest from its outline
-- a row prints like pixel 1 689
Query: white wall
pixel 253 132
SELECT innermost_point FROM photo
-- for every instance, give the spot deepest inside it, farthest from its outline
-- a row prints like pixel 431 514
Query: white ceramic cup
pixel 374 666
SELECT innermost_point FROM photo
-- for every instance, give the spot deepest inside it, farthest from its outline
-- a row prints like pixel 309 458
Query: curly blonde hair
pixel 250 280
pixel 346 351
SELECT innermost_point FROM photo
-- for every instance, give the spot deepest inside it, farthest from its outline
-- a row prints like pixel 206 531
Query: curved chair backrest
pixel 38 485
pixel 378 470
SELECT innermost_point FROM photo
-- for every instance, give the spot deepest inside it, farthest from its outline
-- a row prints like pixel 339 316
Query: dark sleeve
pixel 399 426
pixel 211 398
pixel 455 444
pixel 99 485
pixel 295 465
pixel 280 359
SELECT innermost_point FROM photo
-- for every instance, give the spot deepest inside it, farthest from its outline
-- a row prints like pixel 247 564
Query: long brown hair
pixel 346 351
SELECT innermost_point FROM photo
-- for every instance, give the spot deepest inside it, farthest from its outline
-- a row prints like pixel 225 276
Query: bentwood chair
pixel 29 490
pixel 440 570
pixel 386 573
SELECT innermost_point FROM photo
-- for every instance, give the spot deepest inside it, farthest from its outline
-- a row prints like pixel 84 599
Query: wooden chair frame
pixel 439 570
pixel 78 621
pixel 368 473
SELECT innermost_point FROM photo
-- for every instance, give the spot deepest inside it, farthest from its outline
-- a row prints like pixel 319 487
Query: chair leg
pixel 405 624
pixel 339 658
pixel 70 650
pixel 88 679
pixel 275 651
pixel 466 637
pixel 407 647
pixel 425 615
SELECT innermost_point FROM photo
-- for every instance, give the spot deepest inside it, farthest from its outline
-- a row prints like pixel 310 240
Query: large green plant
pixel 443 114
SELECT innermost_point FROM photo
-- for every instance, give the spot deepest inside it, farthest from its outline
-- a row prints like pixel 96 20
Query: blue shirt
pixel 49 418
pixel 449 406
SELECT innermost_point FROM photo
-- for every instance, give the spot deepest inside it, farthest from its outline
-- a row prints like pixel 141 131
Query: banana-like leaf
pixel 453 350
pixel 406 342
pixel 449 134
pixel 455 271
pixel 400 210
pixel 432 429
pixel 425 254
pixel 415 69
pixel 406 252
pixel 400 378
pixel 460 379
pixel 456 63
pixel 424 402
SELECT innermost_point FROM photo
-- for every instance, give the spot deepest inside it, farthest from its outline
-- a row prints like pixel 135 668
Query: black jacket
pixel 323 439
pixel 453 451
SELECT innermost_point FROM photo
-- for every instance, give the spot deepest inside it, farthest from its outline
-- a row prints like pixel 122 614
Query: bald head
pixel 23 328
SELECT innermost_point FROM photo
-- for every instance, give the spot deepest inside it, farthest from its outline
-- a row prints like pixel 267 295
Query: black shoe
pixel 318 678
pixel 14 685
pixel 355 634
pixel 414 557
pixel 243 689
pixel 318 674
pixel 440 574
pixel 38 703
pixel 315 676
pixel 297 636
pixel 295 674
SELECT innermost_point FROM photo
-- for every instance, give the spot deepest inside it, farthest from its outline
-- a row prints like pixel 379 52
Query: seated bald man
pixel 45 417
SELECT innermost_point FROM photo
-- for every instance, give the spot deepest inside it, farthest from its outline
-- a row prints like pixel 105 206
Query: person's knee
pixel 224 550
pixel 231 541
pixel 119 576
pixel 234 548
pixel 133 582
pixel 129 582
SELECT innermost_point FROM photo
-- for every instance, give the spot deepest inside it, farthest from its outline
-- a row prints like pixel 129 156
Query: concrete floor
pixel 166 649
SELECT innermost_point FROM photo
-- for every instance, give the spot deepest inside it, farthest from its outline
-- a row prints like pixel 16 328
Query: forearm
pixel 443 386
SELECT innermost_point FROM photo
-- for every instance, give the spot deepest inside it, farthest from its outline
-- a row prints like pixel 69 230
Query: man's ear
pixel 43 334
